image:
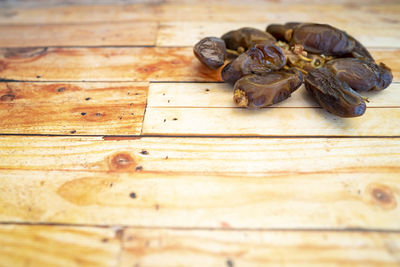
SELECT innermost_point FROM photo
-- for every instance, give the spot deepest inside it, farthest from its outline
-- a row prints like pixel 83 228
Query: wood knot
pixel 122 161
pixel 25 52
pixel 7 97
pixel 382 195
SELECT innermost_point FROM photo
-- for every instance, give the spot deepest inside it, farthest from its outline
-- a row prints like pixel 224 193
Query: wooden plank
pixel 189 33
pixel 60 14
pixel 246 12
pixel 96 34
pixel 196 182
pixel 41 245
pixel 50 3
pixel 160 247
pixel 122 64
pixel 72 108
pixel 348 3
pixel 221 95
pixel 366 199
pixel 236 156
pixel 103 64
pixel 269 122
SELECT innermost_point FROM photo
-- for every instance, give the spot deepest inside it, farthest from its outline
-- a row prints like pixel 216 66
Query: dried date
pixel 259 59
pixel 211 51
pixel 334 95
pixel 258 91
pixel 361 75
pixel 244 38
pixel 315 38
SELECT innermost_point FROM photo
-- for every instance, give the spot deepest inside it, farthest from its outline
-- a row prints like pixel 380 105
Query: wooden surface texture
pixel 118 148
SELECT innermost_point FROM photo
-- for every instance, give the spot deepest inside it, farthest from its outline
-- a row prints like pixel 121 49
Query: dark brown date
pixel 282 32
pixel 334 95
pixel 245 38
pixel 259 59
pixel 258 91
pixel 211 52
pixel 361 75
pixel 321 39
pixel 359 51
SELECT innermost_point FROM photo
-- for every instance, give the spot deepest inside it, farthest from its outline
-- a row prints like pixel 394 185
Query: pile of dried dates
pixel 265 67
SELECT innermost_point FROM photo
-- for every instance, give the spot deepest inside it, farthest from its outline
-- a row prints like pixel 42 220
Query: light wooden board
pixel 40 245
pixel 201 182
pixel 259 248
pixel 220 156
pixel 131 33
pixel 269 122
pixel 21 4
pixel 189 33
pixel 266 12
pixel 357 198
pixel 72 108
pixel 123 64
pixel 212 95
pixel 104 64
pixel 60 14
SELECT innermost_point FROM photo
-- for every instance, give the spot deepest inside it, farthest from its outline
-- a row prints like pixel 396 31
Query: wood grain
pixel 212 95
pixel 189 33
pixel 60 14
pixel 37 245
pixel 269 122
pixel 103 64
pixel 246 12
pixel 265 12
pixel 201 182
pixel 72 108
pixel 220 156
pixel 123 64
pixel 21 4
pixel 131 33
pixel 321 200
pixel 259 248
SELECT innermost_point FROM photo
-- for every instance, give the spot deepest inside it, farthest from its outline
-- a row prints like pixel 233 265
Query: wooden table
pixel 118 148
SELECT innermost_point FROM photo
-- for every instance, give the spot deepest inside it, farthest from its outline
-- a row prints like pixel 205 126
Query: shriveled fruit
pixel 259 59
pixel 334 95
pixel 246 37
pixel 361 75
pixel 258 91
pixel 211 51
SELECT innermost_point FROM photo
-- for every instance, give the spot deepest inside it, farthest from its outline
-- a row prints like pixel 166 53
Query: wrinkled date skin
pixel 259 59
pixel 258 91
pixel 315 38
pixel 322 39
pixel 211 51
pixel 246 38
pixel 361 75
pixel 334 95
